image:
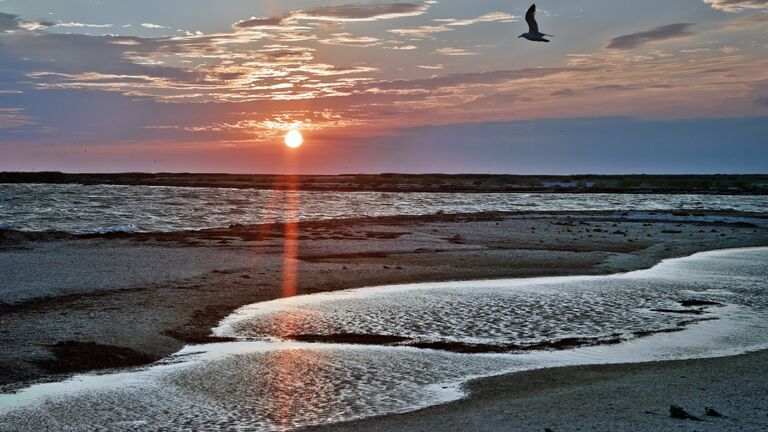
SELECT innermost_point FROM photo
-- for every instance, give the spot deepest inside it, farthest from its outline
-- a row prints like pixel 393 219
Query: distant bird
pixel 533 27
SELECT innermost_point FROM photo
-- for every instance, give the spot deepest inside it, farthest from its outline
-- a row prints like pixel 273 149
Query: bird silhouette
pixel 533 27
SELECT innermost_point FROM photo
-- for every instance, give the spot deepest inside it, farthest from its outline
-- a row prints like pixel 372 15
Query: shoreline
pixel 514 401
pixel 439 190
pixel 709 184
pixel 684 215
pixel 169 313
pixel 615 397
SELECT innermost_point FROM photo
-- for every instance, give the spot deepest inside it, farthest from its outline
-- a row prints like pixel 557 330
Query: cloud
pixel 337 14
pixel 13 118
pixel 447 24
pixel 420 32
pixel 737 5
pixel 35 25
pixel 10 22
pixel 73 54
pixel 466 79
pixel 348 39
pixel 448 51
pixel 82 25
pixel 259 22
pixel 153 26
pixel 362 12
pixel 662 33
pixel 762 101
pixel 564 92
pixel 747 21
pixel 489 17
pixel 164 87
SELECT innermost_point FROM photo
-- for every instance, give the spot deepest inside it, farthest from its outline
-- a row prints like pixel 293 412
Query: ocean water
pixel 88 209
pixel 266 380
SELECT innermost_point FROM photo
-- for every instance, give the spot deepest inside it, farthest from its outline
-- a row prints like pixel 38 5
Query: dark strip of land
pixel 754 184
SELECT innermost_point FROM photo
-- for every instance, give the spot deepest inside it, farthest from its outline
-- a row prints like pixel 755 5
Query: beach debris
pixel 695 302
pixel 348 338
pixel 680 311
pixel 77 356
pixel 711 412
pixel 455 239
pixel 676 411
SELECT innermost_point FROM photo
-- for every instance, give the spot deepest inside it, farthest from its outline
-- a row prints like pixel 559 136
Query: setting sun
pixel 293 139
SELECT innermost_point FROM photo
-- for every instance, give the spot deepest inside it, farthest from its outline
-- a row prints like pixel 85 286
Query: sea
pixel 83 209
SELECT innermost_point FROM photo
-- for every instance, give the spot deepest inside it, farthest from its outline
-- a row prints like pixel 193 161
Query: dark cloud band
pixel 662 33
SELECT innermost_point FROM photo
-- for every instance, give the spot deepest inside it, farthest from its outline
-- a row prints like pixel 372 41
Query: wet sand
pixel 72 304
pixel 626 397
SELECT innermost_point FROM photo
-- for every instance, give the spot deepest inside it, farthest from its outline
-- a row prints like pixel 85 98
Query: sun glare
pixel 293 139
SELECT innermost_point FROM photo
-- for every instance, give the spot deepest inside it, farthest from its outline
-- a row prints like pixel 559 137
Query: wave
pixel 171 209
pixel 7 198
pixel 126 229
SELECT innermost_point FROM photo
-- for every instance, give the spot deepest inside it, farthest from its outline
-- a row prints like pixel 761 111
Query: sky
pixel 381 86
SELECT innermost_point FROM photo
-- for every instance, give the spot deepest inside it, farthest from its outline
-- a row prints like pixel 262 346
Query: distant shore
pixel 743 184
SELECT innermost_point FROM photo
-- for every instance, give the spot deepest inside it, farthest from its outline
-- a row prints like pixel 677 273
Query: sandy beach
pixel 171 288
pixel 83 303
pixel 627 397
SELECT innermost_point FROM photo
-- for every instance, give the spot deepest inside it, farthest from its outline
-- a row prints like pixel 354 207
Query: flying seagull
pixel 533 27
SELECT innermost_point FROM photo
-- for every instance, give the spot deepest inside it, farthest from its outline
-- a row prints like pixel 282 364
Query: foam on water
pixel 266 383
pixel 516 313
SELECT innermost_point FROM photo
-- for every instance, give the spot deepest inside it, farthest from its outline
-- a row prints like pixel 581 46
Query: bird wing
pixel 530 18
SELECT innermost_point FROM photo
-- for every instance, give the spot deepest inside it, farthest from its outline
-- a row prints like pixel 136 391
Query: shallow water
pixel 105 208
pixel 263 382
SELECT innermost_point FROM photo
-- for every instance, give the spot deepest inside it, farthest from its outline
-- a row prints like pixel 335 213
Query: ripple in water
pixel 274 384
pixel 77 208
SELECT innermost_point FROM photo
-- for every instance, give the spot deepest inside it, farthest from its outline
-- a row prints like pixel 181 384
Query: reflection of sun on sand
pixel 292 393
